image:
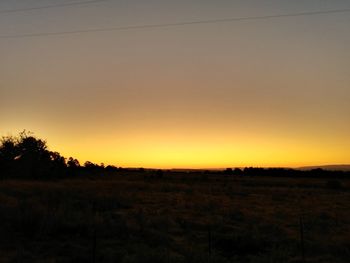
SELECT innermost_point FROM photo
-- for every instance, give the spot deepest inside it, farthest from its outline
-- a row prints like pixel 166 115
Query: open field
pixel 176 217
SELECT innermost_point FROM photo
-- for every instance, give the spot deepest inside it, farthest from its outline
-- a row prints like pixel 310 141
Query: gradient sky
pixel 272 92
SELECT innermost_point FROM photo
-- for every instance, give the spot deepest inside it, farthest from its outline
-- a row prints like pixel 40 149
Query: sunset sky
pixel 272 92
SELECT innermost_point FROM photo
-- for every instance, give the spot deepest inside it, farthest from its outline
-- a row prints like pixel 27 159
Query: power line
pixel 50 6
pixel 177 24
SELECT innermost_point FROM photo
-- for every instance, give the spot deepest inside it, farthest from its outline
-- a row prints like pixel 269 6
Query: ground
pixel 144 216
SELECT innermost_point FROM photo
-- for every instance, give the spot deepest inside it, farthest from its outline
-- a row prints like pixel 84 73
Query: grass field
pixel 180 217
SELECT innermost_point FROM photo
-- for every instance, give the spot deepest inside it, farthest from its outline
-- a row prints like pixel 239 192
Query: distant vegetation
pixel 26 156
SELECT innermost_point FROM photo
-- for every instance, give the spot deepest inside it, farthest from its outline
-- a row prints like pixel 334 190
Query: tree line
pixel 26 156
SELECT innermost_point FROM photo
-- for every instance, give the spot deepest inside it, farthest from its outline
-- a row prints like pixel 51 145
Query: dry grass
pixel 133 218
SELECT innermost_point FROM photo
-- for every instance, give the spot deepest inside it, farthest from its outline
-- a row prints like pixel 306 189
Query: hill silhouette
pixel 331 167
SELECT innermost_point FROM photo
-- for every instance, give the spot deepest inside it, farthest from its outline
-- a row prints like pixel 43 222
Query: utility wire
pixel 50 6
pixel 177 24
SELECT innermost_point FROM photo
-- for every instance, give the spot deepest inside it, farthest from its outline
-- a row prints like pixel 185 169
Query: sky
pixel 271 92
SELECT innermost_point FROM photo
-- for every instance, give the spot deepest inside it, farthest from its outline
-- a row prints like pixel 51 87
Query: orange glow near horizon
pixel 214 149
pixel 180 153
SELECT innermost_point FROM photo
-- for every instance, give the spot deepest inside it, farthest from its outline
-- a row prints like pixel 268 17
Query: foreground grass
pixel 178 218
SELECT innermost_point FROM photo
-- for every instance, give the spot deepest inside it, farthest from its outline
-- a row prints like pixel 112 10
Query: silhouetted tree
pixel 8 148
pixel 90 165
pixel 8 153
pixel 33 156
pixel 29 156
pixel 58 163
pixel 73 166
pixel 237 171
pixel 228 171
pixel 111 168
pixel 73 163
